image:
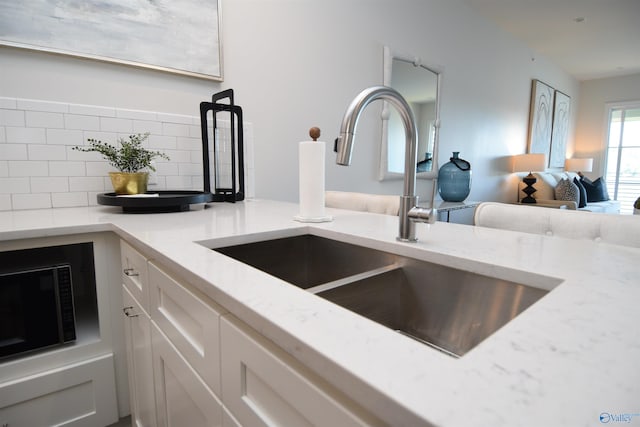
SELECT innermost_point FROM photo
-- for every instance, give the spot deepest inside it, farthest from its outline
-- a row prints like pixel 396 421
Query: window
pixel 623 155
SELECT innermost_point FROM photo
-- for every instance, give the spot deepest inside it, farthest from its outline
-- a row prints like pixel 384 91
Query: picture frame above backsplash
pixel 549 118
pixel 180 37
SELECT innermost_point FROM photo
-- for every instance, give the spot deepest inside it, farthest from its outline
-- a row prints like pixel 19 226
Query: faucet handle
pixel 314 133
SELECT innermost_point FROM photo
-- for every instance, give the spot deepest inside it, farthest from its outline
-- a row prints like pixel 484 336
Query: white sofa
pixel 573 224
pixel 545 193
pixel 377 203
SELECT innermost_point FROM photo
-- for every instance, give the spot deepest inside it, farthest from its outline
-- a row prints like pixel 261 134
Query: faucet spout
pixel 409 212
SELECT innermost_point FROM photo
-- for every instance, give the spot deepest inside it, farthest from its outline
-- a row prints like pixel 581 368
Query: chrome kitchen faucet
pixel 409 213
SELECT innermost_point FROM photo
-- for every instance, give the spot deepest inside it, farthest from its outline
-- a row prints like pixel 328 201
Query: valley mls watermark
pixel 608 417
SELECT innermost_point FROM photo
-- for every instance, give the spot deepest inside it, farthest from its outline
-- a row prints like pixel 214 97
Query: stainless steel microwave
pixel 36 309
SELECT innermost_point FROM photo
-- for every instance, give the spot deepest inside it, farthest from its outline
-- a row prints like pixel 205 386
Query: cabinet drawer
pixel 264 386
pixel 134 273
pixel 190 324
pixel 79 394
pixel 182 398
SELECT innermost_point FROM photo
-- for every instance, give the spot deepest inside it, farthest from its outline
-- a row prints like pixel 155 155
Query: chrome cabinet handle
pixel 128 312
pixel 130 272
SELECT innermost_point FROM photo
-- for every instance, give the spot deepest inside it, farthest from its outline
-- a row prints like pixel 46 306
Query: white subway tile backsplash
pixel 87 183
pixel 177 118
pixel 38 105
pixel 14 185
pixel 65 137
pixel 137 115
pixel 23 135
pixel 180 183
pixel 68 200
pixel 161 142
pixel 31 201
pixel 5 202
pixel 67 168
pixel 11 117
pixel 40 169
pixel 144 126
pixel 19 168
pixel 109 124
pixel 8 103
pixel 13 152
pixel 175 129
pixel 100 168
pixel 46 152
pixel 49 184
pixel 166 168
pixel 38 119
pixel 178 156
pixel 86 123
pixel 92 110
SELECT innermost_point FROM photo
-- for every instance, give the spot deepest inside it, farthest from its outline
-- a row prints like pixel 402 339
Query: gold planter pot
pixel 129 182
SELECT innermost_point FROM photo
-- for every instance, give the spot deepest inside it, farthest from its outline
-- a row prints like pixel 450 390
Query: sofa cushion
pixel 583 193
pixel 596 190
pixel 608 206
pixel 567 190
pixel 545 186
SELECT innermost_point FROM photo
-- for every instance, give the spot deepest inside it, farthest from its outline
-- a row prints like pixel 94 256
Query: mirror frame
pixel 388 56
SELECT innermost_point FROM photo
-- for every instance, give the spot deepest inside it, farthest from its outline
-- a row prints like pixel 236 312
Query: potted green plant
pixel 636 207
pixel 130 159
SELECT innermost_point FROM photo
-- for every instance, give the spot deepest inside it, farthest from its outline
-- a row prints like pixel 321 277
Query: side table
pixel 447 207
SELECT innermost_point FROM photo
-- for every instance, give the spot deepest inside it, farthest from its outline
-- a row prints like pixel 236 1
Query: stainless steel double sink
pixel 446 308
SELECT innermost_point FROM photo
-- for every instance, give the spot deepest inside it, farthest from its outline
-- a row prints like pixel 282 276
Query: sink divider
pixel 354 278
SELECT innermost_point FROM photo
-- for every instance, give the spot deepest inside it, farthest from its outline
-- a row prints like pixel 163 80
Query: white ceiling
pixel 605 44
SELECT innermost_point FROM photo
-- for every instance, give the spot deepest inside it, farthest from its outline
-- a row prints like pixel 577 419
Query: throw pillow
pixel 583 193
pixel 567 190
pixel 596 190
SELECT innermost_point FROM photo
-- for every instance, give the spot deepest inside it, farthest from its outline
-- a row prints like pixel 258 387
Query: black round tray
pixel 167 201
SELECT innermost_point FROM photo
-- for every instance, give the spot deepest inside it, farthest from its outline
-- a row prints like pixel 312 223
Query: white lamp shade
pixel 529 162
pixel 578 165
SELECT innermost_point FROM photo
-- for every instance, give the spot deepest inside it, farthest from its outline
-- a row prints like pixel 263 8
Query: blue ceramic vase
pixel 454 179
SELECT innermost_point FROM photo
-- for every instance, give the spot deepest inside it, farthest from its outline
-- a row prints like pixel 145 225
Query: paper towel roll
pixel 311 172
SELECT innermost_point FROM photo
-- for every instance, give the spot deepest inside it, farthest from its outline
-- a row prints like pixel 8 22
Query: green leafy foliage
pixel 131 156
pixel 637 203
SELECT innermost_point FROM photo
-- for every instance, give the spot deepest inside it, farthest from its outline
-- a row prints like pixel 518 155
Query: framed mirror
pixel 420 84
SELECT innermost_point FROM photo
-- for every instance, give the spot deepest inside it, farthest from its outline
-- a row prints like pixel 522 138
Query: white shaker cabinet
pixel 264 386
pixel 193 364
pixel 182 397
pixel 139 362
pixel 189 322
pixel 134 274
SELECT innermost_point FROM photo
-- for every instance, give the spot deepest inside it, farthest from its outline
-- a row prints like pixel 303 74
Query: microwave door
pixel 28 311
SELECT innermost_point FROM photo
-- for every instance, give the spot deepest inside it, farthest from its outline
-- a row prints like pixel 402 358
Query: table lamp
pixel 529 163
pixel 578 165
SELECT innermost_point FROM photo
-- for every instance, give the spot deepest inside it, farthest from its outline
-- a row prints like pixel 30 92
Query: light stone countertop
pixel 566 360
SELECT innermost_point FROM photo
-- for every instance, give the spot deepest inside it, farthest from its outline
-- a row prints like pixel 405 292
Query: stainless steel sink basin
pixel 308 260
pixel 446 308
pixel 449 309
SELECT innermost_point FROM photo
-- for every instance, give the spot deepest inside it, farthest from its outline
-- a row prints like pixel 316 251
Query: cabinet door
pixel 134 273
pixel 139 362
pixel 182 398
pixel 189 323
pixel 264 386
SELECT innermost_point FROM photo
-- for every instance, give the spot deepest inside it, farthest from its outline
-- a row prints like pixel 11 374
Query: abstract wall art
pixel 560 130
pixel 540 118
pixel 177 36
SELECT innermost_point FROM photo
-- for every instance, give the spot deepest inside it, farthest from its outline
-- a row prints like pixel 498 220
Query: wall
pixel 591 127
pixel 295 64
